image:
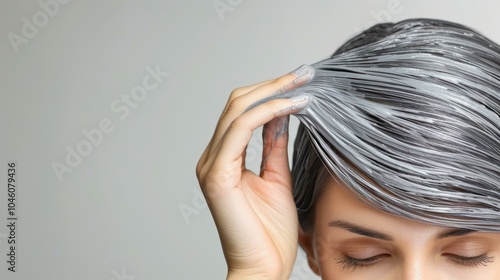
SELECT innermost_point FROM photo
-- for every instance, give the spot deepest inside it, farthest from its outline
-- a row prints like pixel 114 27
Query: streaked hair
pixel 414 106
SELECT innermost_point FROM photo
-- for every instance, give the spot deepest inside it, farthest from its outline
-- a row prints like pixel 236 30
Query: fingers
pixel 275 167
pixel 235 195
pixel 239 101
pixel 242 91
pixel 225 119
pixel 240 131
pixel 242 98
pixel 224 166
pixel 237 105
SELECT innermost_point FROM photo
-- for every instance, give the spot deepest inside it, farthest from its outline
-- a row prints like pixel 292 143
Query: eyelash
pixel 350 262
pixel 473 262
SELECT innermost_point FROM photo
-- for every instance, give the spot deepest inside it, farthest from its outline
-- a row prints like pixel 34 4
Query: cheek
pixel 490 273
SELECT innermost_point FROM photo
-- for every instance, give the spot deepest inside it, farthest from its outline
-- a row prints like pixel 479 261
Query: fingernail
pixel 302 70
pixel 300 99
pixel 300 102
pixel 304 74
pixel 281 126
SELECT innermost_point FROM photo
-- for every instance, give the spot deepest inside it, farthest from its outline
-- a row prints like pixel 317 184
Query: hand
pixel 255 214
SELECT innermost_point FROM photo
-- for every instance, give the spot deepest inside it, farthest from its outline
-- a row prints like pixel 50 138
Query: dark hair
pixel 415 107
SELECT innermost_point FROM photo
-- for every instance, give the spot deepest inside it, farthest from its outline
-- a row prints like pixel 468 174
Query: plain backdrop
pixel 106 106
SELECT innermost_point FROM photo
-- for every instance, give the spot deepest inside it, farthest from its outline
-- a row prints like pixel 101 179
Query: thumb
pixel 274 166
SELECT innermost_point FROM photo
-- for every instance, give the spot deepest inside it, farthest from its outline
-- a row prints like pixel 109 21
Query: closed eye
pixel 350 262
pixel 474 262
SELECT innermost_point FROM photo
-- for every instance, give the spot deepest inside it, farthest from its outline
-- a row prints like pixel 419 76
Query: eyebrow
pixel 360 230
pixel 455 232
pixel 379 235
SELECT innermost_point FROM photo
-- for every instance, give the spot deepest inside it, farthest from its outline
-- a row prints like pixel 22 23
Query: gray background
pixel 131 208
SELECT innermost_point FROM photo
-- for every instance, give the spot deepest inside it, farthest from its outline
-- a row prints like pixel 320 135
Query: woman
pixel 396 169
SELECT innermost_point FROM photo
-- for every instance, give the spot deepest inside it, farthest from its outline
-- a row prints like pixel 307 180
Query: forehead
pixel 339 202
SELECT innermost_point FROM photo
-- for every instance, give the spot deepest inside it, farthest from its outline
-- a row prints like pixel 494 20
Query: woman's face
pixel 351 240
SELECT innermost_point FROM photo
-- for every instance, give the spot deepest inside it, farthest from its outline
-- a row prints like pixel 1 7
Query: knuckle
pixel 198 170
pixel 202 162
pixel 235 105
pixel 235 93
pixel 237 123
pixel 215 183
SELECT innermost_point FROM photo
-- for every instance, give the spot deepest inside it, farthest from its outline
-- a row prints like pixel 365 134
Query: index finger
pixel 259 94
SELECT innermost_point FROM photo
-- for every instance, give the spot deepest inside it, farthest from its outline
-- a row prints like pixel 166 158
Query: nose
pixel 414 273
pixel 417 268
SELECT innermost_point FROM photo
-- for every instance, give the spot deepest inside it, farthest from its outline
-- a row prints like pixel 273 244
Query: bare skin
pixel 255 214
pixel 257 219
pixel 351 240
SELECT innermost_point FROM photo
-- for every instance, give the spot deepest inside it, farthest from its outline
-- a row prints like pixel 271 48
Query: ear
pixel 306 242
